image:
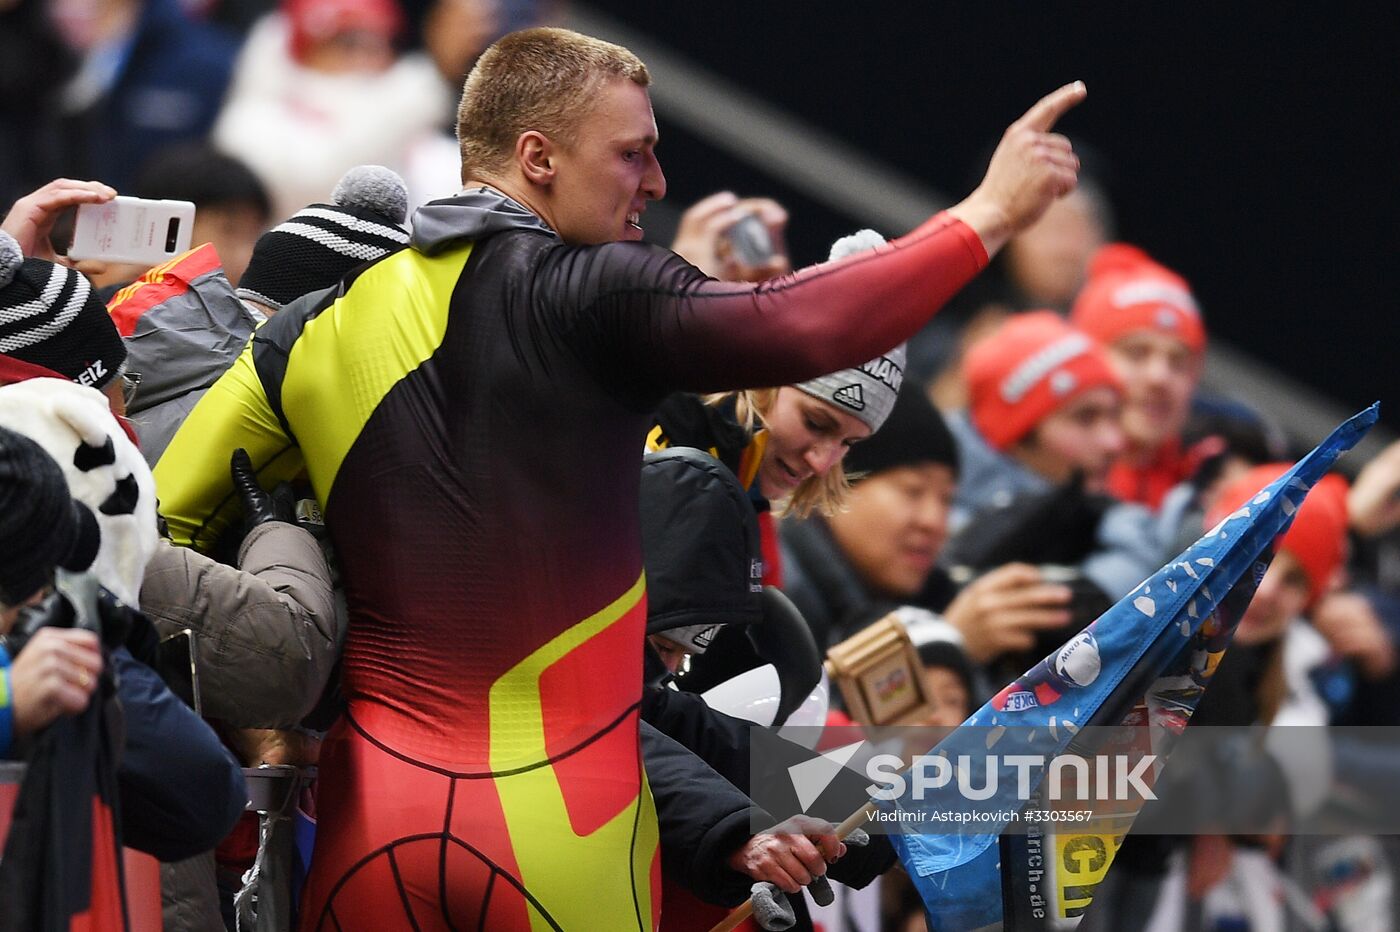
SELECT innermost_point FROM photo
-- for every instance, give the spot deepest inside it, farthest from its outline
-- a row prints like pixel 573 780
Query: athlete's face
pixel 604 178
pixel 1159 374
pixel 1082 436
pixel 806 437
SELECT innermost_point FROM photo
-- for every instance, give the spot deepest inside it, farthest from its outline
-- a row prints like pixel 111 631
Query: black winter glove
pixel 259 506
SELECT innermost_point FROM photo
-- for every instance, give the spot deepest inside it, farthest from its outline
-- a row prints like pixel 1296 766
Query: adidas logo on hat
pixel 851 396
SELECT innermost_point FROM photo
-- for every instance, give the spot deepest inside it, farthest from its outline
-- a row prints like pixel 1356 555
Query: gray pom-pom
pixel 859 241
pixel 11 258
pixel 373 187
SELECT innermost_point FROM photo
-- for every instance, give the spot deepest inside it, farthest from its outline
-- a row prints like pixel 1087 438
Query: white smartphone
pixel 132 229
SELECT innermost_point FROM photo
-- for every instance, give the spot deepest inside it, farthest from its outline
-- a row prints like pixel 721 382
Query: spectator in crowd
pixel 266 632
pixel 516 306
pixel 182 326
pixel 949 679
pixel 180 790
pixel 185 325
pixel 1363 624
pixel 147 77
pixel 1231 439
pixel 1307 565
pixel 1146 317
pixel 319 88
pixel 57 328
pixel 700 547
pixel 58 714
pixel 1046 264
pixel 785 444
pixel 231 206
pixel 43 529
pixel 1044 426
pixel 882 550
pixel 709 228
pixel 322 243
pixel 1267 676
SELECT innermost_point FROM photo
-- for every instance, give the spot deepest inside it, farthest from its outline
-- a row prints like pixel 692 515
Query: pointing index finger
pixel 1046 111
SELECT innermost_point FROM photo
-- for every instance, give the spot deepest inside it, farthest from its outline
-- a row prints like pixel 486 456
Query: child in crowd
pixel 1145 316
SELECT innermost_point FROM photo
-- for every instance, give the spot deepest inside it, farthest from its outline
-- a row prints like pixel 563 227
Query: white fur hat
pixel 103 468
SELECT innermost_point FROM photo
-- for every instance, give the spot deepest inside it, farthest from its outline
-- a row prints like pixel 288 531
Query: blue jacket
pixel 1128 547
pixel 170 84
pixel 181 789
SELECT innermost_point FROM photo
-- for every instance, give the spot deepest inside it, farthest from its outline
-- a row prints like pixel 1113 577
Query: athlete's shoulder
pixel 617 268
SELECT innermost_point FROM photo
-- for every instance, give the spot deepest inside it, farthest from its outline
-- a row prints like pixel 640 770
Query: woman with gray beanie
pixel 786 445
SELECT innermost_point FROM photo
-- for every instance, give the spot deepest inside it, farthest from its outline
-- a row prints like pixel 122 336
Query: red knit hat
pixel 1126 290
pixel 315 21
pixel 1318 537
pixel 1028 368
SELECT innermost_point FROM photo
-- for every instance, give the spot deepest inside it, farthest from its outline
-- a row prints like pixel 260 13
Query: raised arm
pixel 656 318
pixel 1031 167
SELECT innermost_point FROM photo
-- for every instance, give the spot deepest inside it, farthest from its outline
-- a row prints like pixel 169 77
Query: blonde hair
pixel 825 495
pixel 542 79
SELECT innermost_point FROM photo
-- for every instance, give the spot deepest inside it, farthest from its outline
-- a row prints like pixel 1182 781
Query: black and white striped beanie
pixel 317 245
pixel 50 317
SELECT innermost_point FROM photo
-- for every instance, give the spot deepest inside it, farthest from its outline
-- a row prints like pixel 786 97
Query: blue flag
pixel 1145 661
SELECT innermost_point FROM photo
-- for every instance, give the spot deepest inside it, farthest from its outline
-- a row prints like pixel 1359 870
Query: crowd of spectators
pixel 995 484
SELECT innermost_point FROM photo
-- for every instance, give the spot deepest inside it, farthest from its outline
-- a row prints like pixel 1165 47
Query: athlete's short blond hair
pixel 543 79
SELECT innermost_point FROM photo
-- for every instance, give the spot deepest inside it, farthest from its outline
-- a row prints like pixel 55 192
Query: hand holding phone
pixel 750 241
pixel 734 240
pixel 33 218
pixel 132 230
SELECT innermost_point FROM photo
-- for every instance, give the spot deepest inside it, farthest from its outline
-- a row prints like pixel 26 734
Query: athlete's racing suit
pixel 470 412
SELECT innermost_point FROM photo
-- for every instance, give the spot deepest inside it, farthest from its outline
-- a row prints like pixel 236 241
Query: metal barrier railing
pixel 265 902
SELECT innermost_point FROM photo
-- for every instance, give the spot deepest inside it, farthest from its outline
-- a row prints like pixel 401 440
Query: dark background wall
pixel 1253 148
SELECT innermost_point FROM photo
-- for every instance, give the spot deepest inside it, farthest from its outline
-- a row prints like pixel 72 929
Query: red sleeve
pixel 654 317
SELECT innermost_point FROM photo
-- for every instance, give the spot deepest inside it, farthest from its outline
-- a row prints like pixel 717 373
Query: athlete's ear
pixel 534 153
